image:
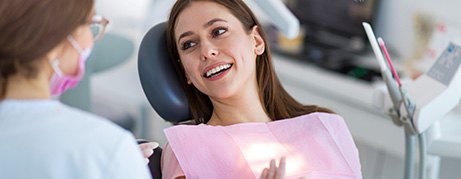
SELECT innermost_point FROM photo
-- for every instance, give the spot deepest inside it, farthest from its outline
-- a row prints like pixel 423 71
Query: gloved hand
pixel 147 148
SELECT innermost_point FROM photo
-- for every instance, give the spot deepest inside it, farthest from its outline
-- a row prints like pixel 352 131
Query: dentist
pixel 43 48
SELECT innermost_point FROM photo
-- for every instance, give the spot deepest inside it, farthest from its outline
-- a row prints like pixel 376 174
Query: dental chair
pixel 161 84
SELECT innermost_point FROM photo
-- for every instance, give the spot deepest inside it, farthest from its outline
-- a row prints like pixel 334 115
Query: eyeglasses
pixel 98 26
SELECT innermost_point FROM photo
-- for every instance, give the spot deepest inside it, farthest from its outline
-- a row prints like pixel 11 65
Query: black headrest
pixel 158 78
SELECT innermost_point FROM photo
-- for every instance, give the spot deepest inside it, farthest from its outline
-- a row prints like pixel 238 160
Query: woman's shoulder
pixel 169 163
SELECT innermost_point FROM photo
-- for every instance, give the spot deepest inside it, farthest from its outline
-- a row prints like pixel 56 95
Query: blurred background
pixel 329 63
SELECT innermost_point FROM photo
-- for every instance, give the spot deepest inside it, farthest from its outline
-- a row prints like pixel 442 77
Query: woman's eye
pixel 188 44
pixel 218 31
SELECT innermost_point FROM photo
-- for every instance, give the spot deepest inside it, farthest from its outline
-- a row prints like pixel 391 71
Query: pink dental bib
pixel 317 145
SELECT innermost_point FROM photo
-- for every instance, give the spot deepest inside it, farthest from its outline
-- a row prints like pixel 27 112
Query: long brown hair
pixel 29 29
pixel 276 101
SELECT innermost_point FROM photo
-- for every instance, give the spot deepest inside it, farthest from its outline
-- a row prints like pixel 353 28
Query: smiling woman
pixel 220 47
pixel 221 53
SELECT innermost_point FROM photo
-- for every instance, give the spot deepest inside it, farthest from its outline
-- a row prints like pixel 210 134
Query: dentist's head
pixel 44 45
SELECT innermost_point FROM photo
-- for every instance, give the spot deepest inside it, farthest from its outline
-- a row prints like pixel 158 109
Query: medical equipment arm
pixel 280 16
pixel 433 95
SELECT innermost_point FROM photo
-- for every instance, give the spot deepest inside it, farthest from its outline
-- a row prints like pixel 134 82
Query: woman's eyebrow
pixel 208 24
pixel 212 21
pixel 185 34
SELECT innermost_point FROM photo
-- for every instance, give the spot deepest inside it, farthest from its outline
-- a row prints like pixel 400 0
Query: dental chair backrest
pixel 158 78
pixel 161 84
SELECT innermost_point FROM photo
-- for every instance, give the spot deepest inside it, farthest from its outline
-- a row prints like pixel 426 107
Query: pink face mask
pixel 61 82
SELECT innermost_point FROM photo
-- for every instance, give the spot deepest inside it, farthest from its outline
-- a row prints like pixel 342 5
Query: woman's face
pixel 69 60
pixel 218 54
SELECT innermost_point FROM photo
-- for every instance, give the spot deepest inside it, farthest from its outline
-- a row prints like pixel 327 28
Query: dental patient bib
pixel 317 145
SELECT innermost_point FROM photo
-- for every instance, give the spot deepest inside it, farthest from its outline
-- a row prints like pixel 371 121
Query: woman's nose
pixel 209 50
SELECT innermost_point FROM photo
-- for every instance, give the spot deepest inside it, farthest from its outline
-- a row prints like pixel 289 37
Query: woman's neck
pixel 238 109
pixel 20 87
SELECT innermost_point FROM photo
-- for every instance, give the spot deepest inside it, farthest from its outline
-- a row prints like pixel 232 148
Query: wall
pixel 394 20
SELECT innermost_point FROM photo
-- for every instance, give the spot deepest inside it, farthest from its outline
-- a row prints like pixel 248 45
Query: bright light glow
pixel 259 155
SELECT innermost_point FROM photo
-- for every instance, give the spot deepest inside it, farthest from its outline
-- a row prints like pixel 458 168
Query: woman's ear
pixel 260 45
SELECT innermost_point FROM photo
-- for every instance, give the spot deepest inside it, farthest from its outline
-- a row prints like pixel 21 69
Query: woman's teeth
pixel 217 70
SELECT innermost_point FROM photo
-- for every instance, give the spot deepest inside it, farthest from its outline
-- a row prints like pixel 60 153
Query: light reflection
pixel 258 156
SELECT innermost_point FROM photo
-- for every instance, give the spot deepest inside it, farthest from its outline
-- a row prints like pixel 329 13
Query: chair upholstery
pixel 161 84
pixel 158 78
pixel 154 163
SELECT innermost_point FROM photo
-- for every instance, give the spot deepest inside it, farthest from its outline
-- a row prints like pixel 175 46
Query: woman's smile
pixel 216 72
